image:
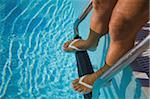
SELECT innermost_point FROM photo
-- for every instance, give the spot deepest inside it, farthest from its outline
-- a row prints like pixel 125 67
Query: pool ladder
pixel 123 62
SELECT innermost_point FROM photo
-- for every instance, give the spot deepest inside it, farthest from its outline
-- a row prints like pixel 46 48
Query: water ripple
pixel 40 30
pixel 6 77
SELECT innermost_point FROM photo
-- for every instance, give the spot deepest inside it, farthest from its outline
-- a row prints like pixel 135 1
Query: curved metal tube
pixel 82 17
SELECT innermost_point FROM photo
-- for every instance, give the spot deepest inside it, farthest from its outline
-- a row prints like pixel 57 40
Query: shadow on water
pixel 122 88
pixel 138 90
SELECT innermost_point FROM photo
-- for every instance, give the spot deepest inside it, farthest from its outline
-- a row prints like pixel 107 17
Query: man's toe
pixel 66 44
pixel 85 89
pixel 76 87
pixel 75 82
pixel 80 89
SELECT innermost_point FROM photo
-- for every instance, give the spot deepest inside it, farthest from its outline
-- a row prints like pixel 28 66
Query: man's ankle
pixel 102 70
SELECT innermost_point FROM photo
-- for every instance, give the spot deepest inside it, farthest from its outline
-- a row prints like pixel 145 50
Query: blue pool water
pixel 32 62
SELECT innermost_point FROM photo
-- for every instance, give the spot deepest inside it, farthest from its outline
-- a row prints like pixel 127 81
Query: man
pixel 123 19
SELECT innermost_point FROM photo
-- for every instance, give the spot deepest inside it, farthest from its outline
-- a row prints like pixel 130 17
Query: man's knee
pixel 104 5
pixel 119 27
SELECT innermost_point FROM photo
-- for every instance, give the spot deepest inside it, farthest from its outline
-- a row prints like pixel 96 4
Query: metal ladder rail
pixel 82 17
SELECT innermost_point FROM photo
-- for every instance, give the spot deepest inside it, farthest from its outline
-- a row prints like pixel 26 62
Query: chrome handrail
pixel 82 17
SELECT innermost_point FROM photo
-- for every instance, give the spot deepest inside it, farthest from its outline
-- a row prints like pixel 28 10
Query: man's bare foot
pixel 80 44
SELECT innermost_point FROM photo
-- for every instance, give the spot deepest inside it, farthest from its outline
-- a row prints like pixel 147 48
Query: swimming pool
pixel 32 62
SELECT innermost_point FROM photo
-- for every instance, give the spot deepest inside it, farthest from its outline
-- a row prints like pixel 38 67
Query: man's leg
pixel 127 19
pixel 99 24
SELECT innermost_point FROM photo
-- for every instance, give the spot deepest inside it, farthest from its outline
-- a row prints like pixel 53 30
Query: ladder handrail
pixel 82 17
